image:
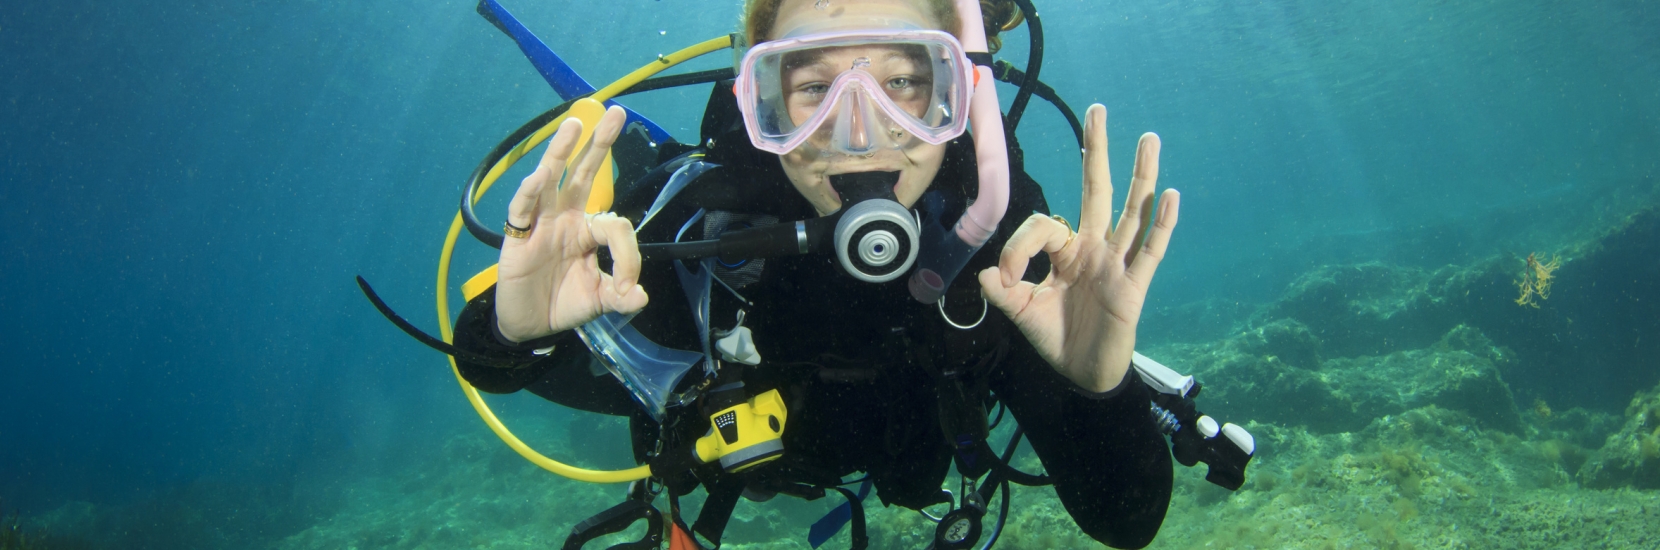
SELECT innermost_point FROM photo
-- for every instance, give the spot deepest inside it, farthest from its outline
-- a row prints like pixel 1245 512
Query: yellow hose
pixel 448 333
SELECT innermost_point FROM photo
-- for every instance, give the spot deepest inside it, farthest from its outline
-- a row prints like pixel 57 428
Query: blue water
pixel 187 188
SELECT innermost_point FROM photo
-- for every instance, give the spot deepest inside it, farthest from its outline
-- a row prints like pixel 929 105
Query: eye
pixel 814 88
pixel 899 83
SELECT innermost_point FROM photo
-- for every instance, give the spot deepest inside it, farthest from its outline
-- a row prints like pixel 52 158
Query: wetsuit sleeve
pixel 563 373
pixel 475 331
pixel 1110 464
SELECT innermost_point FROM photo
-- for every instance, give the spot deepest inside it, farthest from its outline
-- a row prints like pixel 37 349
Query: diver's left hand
pixel 1082 317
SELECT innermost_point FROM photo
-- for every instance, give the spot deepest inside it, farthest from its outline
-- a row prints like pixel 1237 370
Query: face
pixel 901 74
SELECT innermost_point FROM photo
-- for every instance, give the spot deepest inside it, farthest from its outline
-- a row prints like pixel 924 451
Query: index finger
pixel 617 234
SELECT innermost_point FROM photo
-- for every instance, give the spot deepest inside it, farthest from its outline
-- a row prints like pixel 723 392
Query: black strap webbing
pixel 712 518
pixel 861 538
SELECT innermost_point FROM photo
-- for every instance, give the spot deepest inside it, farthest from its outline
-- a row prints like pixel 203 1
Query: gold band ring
pixel 516 232
pixel 1070 234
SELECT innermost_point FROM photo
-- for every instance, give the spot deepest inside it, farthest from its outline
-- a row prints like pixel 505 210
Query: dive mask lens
pixel 855 91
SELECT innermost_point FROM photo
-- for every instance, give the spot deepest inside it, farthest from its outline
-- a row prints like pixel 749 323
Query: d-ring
pixel 984 307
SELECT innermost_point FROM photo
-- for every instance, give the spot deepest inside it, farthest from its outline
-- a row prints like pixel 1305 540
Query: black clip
pixel 617 518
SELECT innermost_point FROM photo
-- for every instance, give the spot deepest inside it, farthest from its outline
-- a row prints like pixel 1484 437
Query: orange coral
pixel 1536 281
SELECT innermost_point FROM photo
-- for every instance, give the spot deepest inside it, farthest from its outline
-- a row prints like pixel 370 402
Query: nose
pixel 855 120
pixel 859 140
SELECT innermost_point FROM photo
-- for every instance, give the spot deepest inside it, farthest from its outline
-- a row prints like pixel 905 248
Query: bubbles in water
pixel 821 5
pixel 662 33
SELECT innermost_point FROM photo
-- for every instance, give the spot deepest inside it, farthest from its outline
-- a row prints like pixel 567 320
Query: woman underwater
pixel 865 99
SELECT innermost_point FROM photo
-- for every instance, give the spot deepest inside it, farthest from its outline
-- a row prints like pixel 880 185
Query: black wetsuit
pixel 859 365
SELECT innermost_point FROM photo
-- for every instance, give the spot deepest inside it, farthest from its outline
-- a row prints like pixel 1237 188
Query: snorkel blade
pixel 944 253
pixel 945 256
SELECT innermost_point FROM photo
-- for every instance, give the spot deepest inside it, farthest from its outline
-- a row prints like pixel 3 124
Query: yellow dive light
pixel 746 434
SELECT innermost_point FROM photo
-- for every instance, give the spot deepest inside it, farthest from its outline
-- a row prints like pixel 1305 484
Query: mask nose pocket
pixel 860 129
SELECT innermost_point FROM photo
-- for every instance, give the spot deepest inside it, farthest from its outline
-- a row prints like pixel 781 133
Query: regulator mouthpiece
pixel 876 238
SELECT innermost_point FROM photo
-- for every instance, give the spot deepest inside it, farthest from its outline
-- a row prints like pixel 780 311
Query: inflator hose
pixel 512 156
pixel 489 236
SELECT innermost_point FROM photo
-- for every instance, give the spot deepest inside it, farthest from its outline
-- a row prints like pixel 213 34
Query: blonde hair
pixel 999 15
pixel 761 15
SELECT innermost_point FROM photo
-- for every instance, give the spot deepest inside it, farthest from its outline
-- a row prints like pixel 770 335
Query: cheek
pixel 800 162
pixel 924 165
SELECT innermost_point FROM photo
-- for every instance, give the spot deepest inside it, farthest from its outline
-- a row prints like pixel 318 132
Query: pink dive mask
pixel 855 92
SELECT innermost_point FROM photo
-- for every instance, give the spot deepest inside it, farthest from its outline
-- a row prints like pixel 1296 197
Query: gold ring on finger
pixel 1057 217
pixel 514 231
pixel 1070 234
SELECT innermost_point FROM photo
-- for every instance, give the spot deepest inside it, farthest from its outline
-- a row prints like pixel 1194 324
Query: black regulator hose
pixel 489 236
pixel 479 230
pixel 1034 65
pixel 997 481
pixel 1005 72
pixel 687 79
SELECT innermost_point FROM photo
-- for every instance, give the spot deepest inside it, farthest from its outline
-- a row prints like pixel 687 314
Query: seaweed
pixel 1536 281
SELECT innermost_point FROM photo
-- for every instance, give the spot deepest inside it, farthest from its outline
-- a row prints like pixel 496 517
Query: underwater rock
pixel 1244 381
pixel 1578 426
pixel 1286 340
pixel 1426 478
pixel 1367 309
pixel 1460 372
pixel 1602 304
pixel 1630 457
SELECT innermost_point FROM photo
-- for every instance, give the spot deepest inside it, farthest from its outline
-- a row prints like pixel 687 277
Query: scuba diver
pixel 816 233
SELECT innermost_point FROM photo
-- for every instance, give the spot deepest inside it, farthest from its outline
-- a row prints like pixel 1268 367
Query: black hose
pixel 996 482
pixel 489 236
pixel 674 81
pixel 1005 72
pixel 1002 517
pixel 1034 65
pixel 485 234
pixel 1001 470
pixel 434 343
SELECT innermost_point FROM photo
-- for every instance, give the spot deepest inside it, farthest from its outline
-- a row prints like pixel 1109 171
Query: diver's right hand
pixel 549 281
